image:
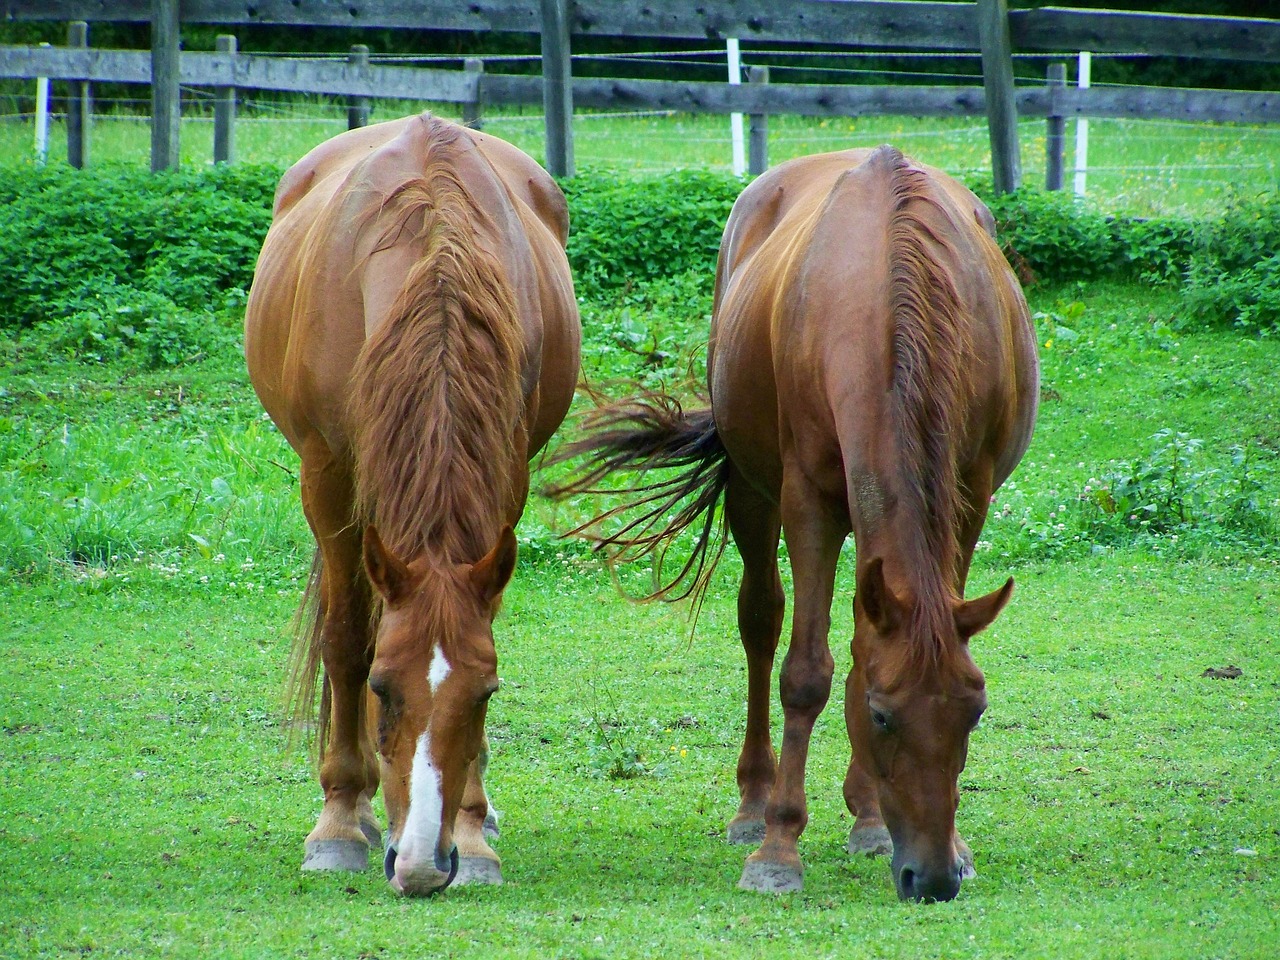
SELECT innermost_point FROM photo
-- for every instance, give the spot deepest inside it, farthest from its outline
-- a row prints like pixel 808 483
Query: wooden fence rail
pixel 986 26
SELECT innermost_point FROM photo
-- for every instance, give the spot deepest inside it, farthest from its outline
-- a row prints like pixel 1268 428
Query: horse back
pixel 335 260
pixel 804 328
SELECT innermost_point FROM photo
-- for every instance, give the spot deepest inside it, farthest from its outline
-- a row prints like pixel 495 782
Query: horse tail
pixel 653 433
pixel 305 663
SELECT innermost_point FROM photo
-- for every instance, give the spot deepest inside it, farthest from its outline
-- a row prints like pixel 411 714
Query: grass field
pixel 1136 167
pixel 1120 801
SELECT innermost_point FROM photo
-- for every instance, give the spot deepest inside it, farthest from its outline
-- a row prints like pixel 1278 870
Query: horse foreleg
pixel 755 525
pixel 815 528
pixel 476 823
pixel 348 767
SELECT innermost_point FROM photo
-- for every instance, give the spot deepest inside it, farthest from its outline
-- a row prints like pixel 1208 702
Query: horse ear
pixel 492 572
pixel 974 616
pixel 878 600
pixel 389 575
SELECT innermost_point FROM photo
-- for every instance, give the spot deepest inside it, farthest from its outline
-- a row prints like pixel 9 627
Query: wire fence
pixel 1146 167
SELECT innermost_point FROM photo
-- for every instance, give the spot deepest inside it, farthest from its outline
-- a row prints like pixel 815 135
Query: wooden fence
pixel 986 26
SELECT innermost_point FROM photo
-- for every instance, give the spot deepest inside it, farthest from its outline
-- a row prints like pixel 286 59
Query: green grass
pixel 1141 168
pixel 1119 801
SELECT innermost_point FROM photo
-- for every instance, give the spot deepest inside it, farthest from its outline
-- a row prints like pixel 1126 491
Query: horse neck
pixel 930 397
pixel 436 397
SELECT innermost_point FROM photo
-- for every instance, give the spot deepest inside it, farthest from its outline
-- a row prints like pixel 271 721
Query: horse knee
pixel 805 688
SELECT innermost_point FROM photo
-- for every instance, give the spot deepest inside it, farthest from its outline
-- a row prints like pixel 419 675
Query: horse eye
pixel 880 718
pixel 379 687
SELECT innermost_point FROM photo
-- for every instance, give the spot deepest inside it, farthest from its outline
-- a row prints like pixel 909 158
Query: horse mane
pixel 930 396
pixel 435 394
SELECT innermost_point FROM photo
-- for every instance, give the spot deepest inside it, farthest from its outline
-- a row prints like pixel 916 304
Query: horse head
pixel 913 703
pixel 434 669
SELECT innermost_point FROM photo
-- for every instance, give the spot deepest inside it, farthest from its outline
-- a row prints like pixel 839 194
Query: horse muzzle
pixel 916 882
pixel 419 880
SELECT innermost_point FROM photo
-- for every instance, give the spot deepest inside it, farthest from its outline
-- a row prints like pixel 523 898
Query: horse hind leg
pixel 476 824
pixel 346 826
pixel 754 523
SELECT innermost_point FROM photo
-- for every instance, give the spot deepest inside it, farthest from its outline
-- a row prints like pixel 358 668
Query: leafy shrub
pixel 1057 236
pixel 1234 276
pixel 624 232
pixel 116 322
pixel 68 235
pixel 1173 493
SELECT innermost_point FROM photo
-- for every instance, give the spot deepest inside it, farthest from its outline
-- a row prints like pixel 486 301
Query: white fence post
pixel 42 118
pixel 735 119
pixel 1082 125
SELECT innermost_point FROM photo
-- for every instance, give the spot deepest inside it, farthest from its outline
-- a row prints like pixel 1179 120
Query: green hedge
pixel 75 245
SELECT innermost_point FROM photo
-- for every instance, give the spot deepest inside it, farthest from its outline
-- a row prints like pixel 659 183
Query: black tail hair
pixel 653 432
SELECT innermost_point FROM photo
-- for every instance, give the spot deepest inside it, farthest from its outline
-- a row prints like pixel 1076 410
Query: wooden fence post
pixel 79 108
pixel 758 129
pixel 224 108
pixel 1056 124
pixel 358 107
pixel 557 87
pixel 997 82
pixel 473 110
pixel 166 95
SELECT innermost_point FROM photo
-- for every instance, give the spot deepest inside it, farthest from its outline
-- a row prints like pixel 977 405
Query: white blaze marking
pixel 439 669
pixel 421 832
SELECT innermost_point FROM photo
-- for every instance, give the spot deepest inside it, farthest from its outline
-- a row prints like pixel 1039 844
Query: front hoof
pixel 327 855
pixel 489 829
pixel 967 872
pixel 478 870
pixel 870 841
pixel 765 877
pixel 746 830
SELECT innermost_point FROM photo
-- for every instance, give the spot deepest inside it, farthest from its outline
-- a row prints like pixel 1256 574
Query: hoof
pixel 746 831
pixel 490 828
pixel 478 870
pixel 373 833
pixel 764 877
pixel 966 860
pixel 870 841
pixel 350 855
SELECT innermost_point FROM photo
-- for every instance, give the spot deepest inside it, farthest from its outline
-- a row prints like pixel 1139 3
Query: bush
pixel 67 235
pixel 624 232
pixel 115 322
pixel 1234 277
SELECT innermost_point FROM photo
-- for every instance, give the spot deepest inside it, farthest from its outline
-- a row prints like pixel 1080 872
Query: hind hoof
pixel 373 833
pixel 490 829
pixel 967 872
pixel 326 855
pixel 763 877
pixel 478 870
pixel 870 841
pixel 746 831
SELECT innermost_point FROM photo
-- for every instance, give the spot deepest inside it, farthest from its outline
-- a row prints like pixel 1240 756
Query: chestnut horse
pixel 412 331
pixel 872 369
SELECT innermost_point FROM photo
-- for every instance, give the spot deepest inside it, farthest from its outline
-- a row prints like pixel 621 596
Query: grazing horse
pixel 412 331
pixel 872 368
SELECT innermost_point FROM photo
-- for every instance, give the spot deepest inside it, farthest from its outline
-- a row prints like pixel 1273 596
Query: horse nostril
pixel 907 882
pixel 389 862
